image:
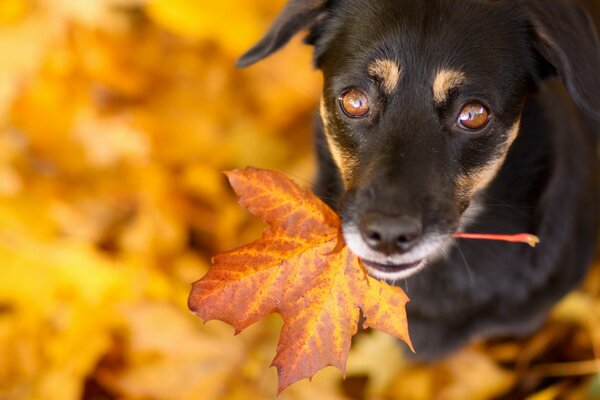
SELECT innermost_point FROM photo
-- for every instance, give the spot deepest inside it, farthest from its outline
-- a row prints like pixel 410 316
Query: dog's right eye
pixel 473 116
pixel 355 103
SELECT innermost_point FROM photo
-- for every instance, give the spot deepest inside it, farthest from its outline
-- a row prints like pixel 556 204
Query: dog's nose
pixel 390 235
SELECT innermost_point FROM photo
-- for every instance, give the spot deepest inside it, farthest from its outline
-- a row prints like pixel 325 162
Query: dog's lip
pixel 391 268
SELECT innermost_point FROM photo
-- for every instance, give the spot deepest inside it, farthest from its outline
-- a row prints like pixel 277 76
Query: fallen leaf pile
pixel 300 269
pixel 115 118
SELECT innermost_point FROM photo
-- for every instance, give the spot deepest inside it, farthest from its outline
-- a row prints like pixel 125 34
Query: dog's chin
pixel 390 272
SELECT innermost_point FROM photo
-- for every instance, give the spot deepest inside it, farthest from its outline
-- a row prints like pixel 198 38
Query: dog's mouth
pixel 392 271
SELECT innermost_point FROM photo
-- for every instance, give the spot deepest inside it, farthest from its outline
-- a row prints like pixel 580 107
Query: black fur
pixel 408 155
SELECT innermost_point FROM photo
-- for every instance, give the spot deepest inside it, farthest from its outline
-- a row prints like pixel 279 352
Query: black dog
pixel 445 115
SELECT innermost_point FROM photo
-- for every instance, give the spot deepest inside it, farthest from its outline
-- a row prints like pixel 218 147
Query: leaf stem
pixel 531 240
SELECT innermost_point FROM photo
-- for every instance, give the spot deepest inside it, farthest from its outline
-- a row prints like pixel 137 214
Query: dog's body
pixel 440 115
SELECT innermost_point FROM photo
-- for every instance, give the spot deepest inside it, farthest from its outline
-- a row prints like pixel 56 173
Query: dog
pixel 440 116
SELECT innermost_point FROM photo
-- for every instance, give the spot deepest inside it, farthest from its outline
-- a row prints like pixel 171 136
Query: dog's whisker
pixel 304 181
pixel 333 199
pixel 489 218
pixel 466 264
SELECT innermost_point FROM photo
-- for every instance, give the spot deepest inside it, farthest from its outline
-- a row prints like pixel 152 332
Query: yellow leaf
pixel 13 10
pixel 204 362
pixel 204 20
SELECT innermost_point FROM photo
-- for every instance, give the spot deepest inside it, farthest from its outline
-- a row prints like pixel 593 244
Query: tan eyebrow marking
pixel 388 71
pixel 343 161
pixel 446 80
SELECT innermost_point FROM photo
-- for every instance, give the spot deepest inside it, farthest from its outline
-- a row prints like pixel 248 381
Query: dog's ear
pixel 296 15
pixel 565 37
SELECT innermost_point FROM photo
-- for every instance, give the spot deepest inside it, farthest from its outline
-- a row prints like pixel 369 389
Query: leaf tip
pixel 283 382
pixel 281 388
pixel 232 174
pixel 409 344
pixel 228 172
pixel 191 304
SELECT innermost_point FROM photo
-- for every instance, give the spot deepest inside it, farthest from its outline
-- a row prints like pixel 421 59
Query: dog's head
pixel 422 101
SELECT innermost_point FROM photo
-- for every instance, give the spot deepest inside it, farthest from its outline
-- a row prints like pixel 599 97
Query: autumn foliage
pixel 302 270
pixel 116 117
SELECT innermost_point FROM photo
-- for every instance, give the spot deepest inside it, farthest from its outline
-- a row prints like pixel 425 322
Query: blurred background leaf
pixel 116 118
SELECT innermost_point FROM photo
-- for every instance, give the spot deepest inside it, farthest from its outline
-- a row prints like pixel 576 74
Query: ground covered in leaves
pixel 116 117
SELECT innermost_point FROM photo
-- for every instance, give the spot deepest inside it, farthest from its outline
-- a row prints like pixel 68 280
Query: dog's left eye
pixel 473 116
pixel 355 103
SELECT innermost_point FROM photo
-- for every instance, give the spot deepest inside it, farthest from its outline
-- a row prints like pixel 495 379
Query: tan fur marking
pixel 388 71
pixel 481 178
pixel 512 135
pixel 343 161
pixel 446 80
pixel 485 175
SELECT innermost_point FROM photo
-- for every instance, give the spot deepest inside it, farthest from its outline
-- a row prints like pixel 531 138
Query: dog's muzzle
pixel 391 247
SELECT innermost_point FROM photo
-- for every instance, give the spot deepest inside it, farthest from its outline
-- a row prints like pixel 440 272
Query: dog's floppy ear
pixel 566 38
pixel 297 15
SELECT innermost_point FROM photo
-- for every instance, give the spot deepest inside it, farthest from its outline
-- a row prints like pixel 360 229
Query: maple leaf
pixel 301 269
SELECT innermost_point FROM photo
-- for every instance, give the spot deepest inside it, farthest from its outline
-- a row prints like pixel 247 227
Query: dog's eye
pixel 473 116
pixel 355 103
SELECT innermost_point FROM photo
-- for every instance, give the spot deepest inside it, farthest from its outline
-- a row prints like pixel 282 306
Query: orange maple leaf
pixel 301 269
